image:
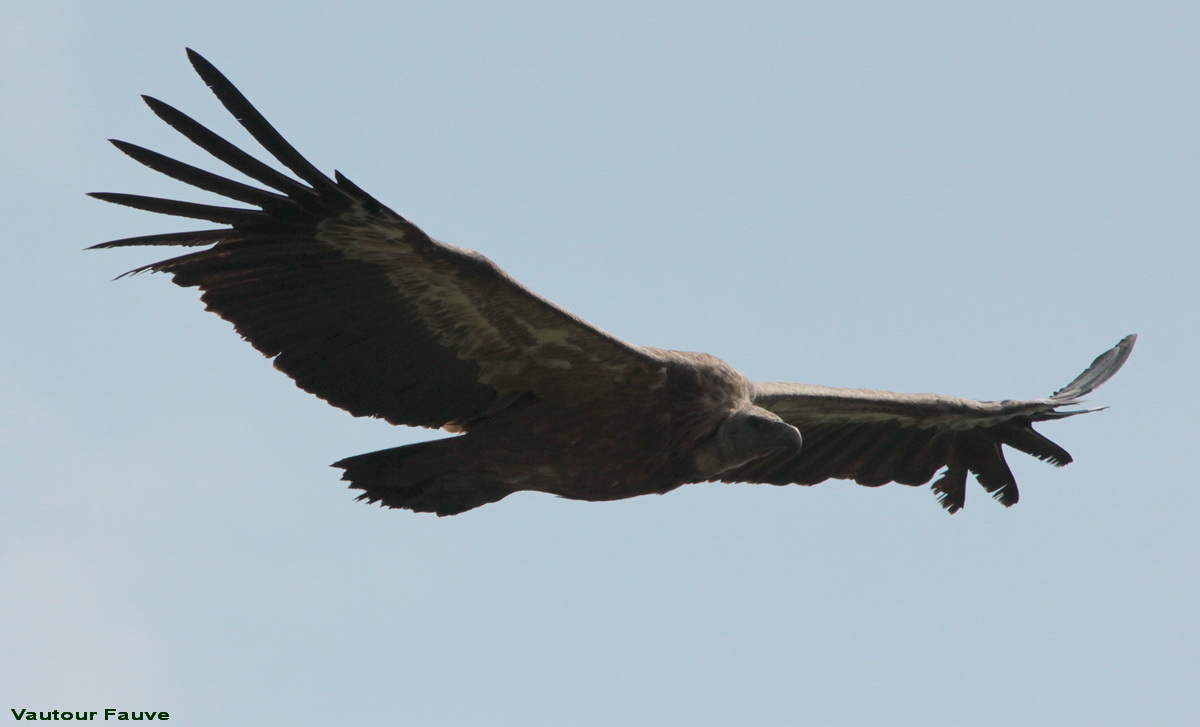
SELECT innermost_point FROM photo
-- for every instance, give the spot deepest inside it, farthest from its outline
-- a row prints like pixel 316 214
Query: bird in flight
pixel 363 309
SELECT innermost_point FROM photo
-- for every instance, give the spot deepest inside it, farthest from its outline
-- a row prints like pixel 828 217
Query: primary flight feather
pixel 363 309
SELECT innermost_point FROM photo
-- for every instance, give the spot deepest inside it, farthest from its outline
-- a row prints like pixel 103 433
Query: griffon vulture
pixel 363 309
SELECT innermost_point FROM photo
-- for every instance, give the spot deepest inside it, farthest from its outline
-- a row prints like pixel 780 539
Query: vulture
pixel 363 309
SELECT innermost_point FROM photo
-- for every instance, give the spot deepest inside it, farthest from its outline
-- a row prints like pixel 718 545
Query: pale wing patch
pixel 449 313
pixel 549 336
pixel 504 346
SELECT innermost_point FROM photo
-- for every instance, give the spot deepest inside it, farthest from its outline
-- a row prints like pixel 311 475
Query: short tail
pixel 424 477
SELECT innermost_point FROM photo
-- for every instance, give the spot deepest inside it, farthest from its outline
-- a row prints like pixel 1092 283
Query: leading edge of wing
pixel 812 403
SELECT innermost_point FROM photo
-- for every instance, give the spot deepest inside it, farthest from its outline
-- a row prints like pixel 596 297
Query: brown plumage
pixel 363 309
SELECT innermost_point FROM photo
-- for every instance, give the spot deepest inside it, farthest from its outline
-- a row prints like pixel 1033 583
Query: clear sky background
pixel 967 198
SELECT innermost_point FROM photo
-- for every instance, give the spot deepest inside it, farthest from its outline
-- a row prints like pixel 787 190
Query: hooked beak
pixel 788 437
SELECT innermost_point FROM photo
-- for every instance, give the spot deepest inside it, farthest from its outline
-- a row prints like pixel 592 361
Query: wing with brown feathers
pixel 357 304
pixel 877 437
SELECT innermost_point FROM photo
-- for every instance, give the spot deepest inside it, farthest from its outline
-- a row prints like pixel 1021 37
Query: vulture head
pixel 745 435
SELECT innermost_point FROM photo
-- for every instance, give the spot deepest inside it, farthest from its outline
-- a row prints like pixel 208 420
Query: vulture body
pixel 363 309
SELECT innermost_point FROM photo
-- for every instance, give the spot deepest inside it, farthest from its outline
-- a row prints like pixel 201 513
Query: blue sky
pixel 964 198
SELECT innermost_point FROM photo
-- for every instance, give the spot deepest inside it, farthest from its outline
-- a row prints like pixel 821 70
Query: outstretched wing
pixel 357 304
pixel 877 437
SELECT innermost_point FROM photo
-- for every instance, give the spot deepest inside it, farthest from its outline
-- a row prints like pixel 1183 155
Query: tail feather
pixel 424 477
